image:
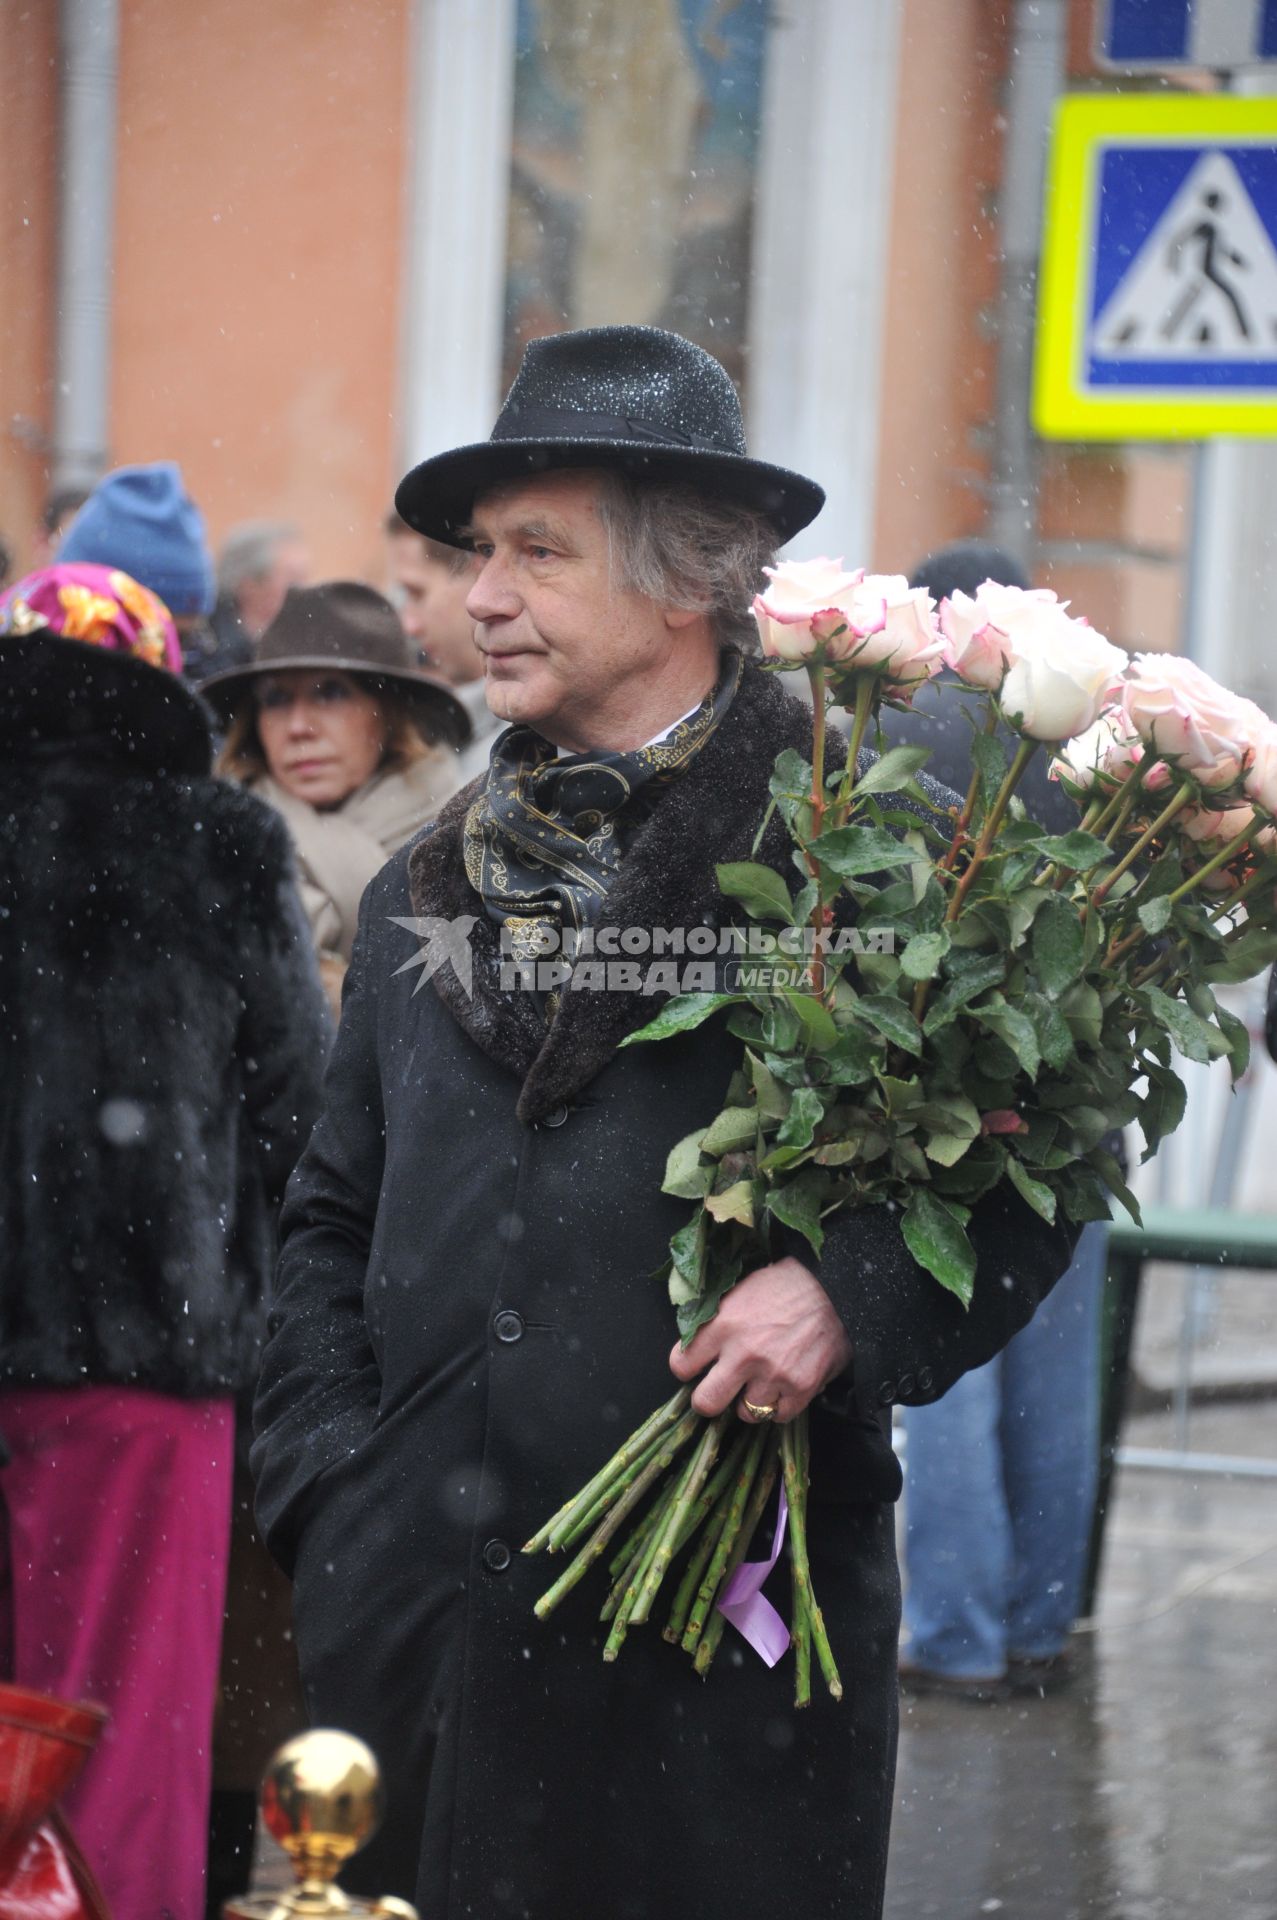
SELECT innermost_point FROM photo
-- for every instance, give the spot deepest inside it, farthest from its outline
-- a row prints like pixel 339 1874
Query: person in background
pixel 60 510
pixel 142 520
pixel 1000 1475
pixel 163 1033
pixel 258 562
pixel 431 583
pixel 342 734
pixel 6 564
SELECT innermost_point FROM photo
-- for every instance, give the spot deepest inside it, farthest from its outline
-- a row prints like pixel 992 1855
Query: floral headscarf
pixel 99 605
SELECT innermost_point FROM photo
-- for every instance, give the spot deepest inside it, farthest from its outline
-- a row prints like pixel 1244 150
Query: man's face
pixel 566 648
pixel 431 596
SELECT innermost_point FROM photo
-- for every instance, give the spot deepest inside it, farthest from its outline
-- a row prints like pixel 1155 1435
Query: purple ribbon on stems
pixel 744 1606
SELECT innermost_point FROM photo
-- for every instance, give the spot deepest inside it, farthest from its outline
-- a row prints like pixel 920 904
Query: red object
pixel 43 1745
pixel 119 1510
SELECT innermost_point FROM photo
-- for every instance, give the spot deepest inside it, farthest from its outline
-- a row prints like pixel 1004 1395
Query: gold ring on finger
pixel 759 1413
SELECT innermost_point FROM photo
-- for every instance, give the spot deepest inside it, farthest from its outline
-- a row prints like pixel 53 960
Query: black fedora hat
pixel 635 398
pixel 354 629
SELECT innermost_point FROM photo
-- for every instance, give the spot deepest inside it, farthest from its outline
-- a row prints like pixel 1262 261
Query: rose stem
pixel 624 1564
pixel 707 1646
pixel 866 684
pixel 963 820
pixel 643 1560
pixel 593 1548
pixel 1163 819
pixel 793 1446
pixel 561 1523
pixel 1221 859
pixel 800 1638
pixel 667 1546
pixel 723 1545
pixel 1002 800
pixel 707 1509
pixel 591 1519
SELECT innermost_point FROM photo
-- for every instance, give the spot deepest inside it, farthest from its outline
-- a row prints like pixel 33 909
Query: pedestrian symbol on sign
pixel 1203 285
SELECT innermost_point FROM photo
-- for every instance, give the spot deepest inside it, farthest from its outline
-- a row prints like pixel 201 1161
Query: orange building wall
pixel 938 362
pixel 260 228
pixel 28 161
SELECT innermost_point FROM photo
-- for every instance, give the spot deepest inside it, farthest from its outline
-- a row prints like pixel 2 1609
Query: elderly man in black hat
pixel 466 1318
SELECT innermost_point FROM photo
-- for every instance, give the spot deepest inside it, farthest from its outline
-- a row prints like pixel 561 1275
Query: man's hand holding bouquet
pixel 932 1002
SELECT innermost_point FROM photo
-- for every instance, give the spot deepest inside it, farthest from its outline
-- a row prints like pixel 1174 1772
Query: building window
pixel 636 131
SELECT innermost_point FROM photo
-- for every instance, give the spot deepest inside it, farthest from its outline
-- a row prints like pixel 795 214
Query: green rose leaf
pixel 921 958
pixel 806 1112
pixel 685 1177
pixel 687 1251
pixel 1155 915
pixel 734 1203
pixel 681 1014
pixel 946 1149
pixel 734 1128
pixel 797 1205
pixel 1015 1030
pixel 1039 1196
pixel 1077 851
pixel 849 851
pixel 760 890
pixel 772 1097
pixel 1193 1036
pixel 937 1239
pixel 891 770
pixel 819 1031
pixel 1057 944
pixel 892 1019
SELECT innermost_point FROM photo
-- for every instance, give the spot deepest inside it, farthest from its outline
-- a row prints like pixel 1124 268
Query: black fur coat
pixel 162 1040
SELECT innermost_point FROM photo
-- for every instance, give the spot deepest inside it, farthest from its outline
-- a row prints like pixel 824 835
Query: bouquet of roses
pixel 1021 995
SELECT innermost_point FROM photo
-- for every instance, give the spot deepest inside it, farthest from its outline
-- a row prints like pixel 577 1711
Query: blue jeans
pixel 1000 1488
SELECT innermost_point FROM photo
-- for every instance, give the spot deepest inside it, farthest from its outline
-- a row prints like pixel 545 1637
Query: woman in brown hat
pixel 352 743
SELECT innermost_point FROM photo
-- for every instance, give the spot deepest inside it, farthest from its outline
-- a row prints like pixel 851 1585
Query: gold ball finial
pixel 321 1800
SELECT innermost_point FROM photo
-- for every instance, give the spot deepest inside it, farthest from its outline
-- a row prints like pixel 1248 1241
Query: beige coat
pixel 339 850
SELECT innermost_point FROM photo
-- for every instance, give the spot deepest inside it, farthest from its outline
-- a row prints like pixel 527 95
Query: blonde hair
pixel 241 757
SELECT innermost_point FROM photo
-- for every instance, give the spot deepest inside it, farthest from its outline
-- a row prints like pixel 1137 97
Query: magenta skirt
pixel 116 1509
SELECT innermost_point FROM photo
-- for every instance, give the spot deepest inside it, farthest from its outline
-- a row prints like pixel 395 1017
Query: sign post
pixel 1157 317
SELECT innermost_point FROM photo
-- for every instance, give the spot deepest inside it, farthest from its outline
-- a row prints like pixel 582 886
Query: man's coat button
pixel 496 1556
pixel 508 1325
pixel 886 1393
pixel 555 1117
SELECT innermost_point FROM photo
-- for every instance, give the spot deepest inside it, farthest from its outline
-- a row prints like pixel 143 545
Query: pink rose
pixel 1103 758
pixel 808 601
pixel 978 630
pixel 906 649
pixel 1260 783
pixel 1053 674
pixel 815 610
pixel 1204 730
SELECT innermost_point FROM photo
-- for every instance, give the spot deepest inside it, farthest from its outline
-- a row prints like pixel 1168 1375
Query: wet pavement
pixel 1148 1791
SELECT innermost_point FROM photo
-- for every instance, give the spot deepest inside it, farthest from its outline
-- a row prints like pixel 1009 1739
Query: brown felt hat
pixel 351 627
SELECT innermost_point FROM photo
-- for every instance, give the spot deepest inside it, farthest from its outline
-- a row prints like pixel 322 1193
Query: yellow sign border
pixel 1063 409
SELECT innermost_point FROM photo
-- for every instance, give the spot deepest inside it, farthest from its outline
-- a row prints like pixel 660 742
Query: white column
pixel 459 175
pixel 88 55
pixel 820 254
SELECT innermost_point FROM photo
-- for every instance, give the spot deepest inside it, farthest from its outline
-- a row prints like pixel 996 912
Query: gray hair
pixel 248 551
pixel 683 548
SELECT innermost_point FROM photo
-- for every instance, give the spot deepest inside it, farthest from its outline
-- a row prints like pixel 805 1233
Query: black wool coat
pixel 162 1042
pixel 466 1324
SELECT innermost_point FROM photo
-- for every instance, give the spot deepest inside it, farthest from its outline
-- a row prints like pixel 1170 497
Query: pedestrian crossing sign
pixel 1157 302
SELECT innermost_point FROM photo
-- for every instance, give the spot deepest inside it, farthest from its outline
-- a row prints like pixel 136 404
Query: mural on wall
pixel 636 126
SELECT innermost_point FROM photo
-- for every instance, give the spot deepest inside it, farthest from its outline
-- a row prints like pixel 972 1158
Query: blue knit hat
pixel 142 520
